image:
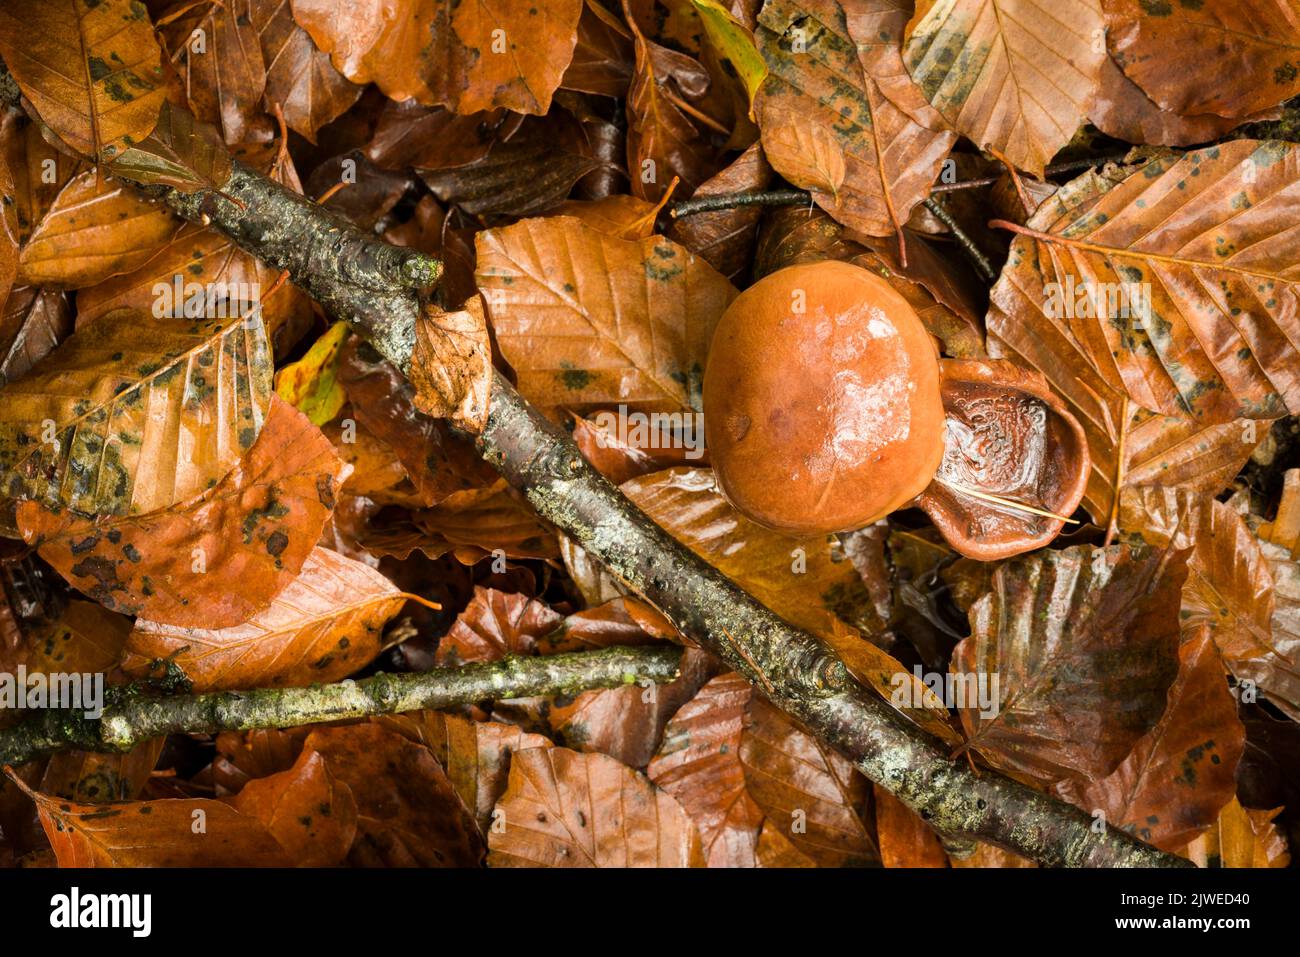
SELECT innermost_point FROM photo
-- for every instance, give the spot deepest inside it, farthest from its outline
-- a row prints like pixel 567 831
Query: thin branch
pixel 137 718
pixel 977 258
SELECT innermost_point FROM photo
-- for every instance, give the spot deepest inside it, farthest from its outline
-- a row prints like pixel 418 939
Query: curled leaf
pixel 451 366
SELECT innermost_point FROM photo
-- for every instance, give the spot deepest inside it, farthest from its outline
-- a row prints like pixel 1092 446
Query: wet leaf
pixel 725 238
pixel 131 415
pixel 812 795
pixel 1173 783
pixel 94 229
pixel 324 625
pixel 496 624
pixel 180 152
pixel 1082 645
pixel 699 764
pixel 216 560
pixel 564 809
pixel 32 322
pixel 309 812
pixel 587 319
pixel 92 72
pixel 408 814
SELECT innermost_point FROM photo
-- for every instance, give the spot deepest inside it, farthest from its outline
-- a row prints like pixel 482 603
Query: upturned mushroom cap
pixel 821 400
pixel 1014 457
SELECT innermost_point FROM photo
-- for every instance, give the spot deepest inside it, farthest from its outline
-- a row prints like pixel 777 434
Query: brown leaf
pixel 243 756
pixel 622 448
pixel 451 367
pixel 698 763
pixel 1184 770
pixel 1081 644
pixel 93 73
pixel 725 238
pixel 476 754
pixel 32 322
pixel 309 812
pixel 564 809
pixel 478 522
pixel 1202 325
pixel 839 115
pixel 216 560
pixel 811 794
pixel 299 77
pixel 86 638
pixel 90 777
pixel 985 64
pixel 905 839
pixel 131 415
pixel 1228 60
pixel 664 141
pixel 426 138
pixel 323 626
pixel 775 850
pixel 94 229
pixel 1230 587
pixel 627 723
pixel 496 624
pixel 586 319
pixel 408 814
pixel 168 833
pixel 222 68
pixel 603 58
pixel 804 580
pixel 468 56
pixel 181 152
pixel 39 171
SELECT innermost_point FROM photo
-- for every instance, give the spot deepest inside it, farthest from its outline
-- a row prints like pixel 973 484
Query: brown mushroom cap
pixel 1008 437
pixel 821 400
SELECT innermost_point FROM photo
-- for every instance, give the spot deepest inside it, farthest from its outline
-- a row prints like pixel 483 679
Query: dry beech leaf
pixel 409 134
pixel 496 624
pixel 155 834
pixel 132 415
pixel 451 367
pixel 214 561
pixel 1227 59
pixel 1014 76
pixel 1173 783
pixel 1083 644
pixel 32 322
pixel 905 840
pixel 309 812
pixel 92 71
pixel 1230 588
pixel 839 115
pixel 475 754
pixel 824 592
pixel 565 809
pixel 38 170
pixel 621 216
pixel 95 229
pixel 181 152
pixel 324 625
pixel 408 813
pixel 698 763
pixel 603 56
pixel 1201 244
pixel 664 141
pixel 586 319
pixel 468 56
pixel 811 794
pixel 1006 437
pixel 223 71
pixel 299 77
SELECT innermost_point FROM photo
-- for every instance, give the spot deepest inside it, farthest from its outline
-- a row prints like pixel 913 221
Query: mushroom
pixel 1015 462
pixel 821 400
pixel 825 410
